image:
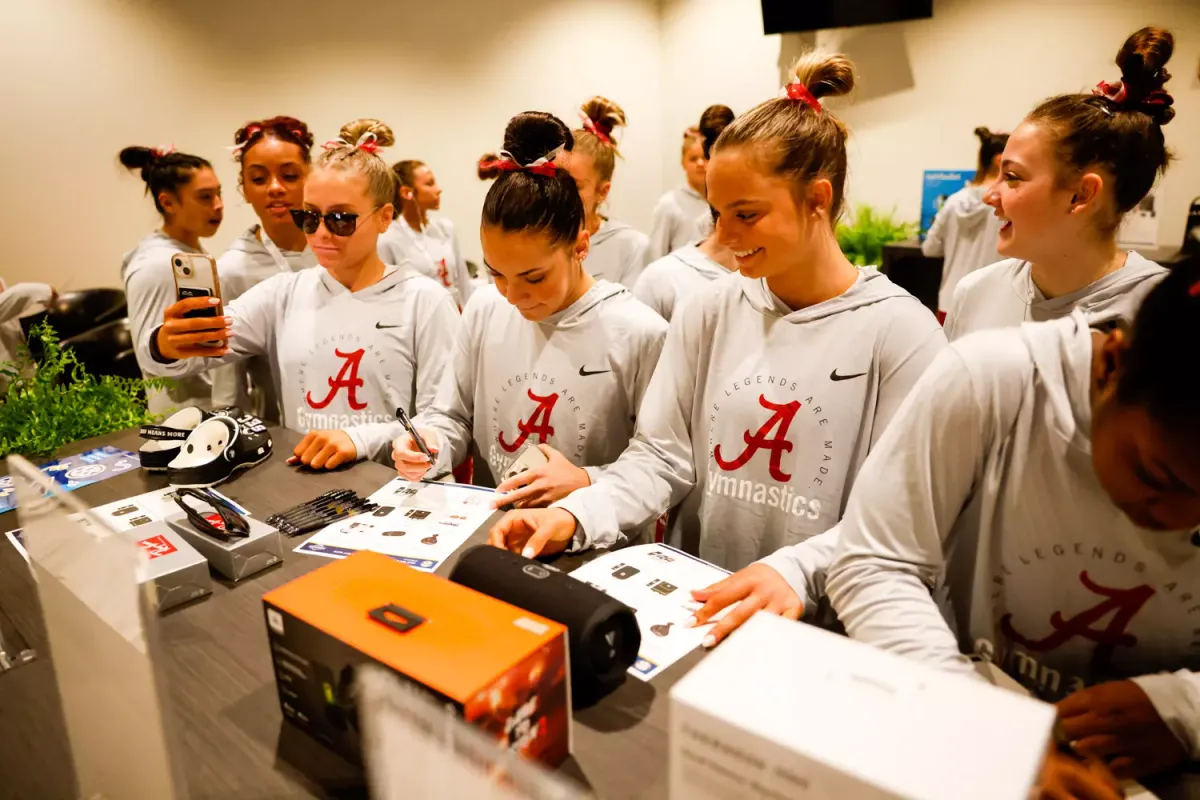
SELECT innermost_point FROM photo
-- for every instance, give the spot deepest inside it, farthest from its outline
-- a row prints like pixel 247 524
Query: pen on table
pixel 412 431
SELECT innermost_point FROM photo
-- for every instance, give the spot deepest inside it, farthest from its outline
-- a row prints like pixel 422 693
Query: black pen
pixel 408 426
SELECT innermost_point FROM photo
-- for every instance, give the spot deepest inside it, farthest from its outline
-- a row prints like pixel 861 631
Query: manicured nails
pixel 709 642
pixel 214 301
pixel 529 552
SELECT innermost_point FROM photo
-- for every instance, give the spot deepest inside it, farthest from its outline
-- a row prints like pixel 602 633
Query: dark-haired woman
pixel 668 281
pixel 965 229
pixel 274 157
pixel 774 383
pixel 549 356
pixel 616 251
pixel 1070 172
pixel 677 215
pixel 427 242
pixel 187 194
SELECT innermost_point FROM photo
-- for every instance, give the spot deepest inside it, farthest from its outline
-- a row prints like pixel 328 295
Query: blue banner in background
pixel 938 185
pixel 72 472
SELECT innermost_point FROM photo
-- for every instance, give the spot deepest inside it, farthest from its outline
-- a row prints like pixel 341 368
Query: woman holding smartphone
pixel 274 156
pixel 548 357
pixel 187 194
pixel 351 341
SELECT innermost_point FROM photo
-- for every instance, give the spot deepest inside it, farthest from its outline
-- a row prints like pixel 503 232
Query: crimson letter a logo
pixel 762 439
pixel 347 378
pixel 538 422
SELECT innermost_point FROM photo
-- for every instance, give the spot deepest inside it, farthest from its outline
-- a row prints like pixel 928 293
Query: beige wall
pixel 82 78
pixel 79 79
pixel 925 85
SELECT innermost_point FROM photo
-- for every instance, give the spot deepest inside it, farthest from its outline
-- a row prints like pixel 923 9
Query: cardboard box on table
pixel 786 710
pixel 499 667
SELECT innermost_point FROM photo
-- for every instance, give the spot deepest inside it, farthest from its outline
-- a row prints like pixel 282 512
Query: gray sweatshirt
pixel 1004 294
pixel 344 360
pixel 676 219
pixel 433 251
pixel 758 417
pixel 667 282
pixel 573 381
pixel 964 232
pixel 618 253
pixel 983 490
pixel 250 260
pixel 149 290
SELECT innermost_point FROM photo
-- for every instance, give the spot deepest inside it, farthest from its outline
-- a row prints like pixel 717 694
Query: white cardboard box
pixel 784 710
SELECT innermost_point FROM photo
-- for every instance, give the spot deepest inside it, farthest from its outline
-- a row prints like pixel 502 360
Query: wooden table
pixel 221 681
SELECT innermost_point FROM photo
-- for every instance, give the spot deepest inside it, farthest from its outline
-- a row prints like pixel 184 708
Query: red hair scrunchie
pixel 798 91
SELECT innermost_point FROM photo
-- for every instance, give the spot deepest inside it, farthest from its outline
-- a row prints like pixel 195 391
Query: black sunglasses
pixel 339 223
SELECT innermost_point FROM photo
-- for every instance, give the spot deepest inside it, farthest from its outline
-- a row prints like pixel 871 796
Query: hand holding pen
pixel 412 452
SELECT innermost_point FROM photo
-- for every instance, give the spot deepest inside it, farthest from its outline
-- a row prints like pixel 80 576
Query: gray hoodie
pixel 678 219
pixel 573 381
pixel 1004 294
pixel 983 489
pixel 668 281
pixel 964 231
pixel 758 417
pixel 343 360
pixel 618 253
pixel 433 251
pixel 149 290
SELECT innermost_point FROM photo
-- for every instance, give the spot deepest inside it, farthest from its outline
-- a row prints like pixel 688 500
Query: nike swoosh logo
pixel 584 371
pixel 833 376
pixel 382 327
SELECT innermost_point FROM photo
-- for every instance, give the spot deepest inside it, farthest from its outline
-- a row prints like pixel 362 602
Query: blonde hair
pixel 691 136
pixel 603 115
pixel 355 150
pixel 797 140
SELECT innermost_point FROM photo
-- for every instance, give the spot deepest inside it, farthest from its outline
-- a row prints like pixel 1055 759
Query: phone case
pixel 527 459
pixel 196 276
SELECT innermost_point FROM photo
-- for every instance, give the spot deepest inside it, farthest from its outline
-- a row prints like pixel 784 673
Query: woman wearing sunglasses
pixel 351 341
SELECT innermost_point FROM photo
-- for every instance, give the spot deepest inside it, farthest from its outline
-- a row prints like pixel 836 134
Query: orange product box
pixel 500 667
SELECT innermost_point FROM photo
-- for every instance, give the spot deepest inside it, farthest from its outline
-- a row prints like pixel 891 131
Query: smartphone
pixel 196 276
pixel 527 459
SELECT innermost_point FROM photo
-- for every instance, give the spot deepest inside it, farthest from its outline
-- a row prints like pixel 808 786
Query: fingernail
pixel 214 301
pixel 528 552
pixel 709 642
pixel 691 622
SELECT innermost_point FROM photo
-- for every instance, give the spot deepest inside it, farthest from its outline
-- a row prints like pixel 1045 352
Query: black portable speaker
pixel 603 634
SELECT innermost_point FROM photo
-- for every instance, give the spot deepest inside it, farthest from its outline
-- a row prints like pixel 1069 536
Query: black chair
pixel 106 350
pixel 78 312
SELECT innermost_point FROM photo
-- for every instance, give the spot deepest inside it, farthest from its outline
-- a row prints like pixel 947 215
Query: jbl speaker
pixel 602 632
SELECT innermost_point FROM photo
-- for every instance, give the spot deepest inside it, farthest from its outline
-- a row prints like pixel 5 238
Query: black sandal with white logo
pixel 167 438
pixel 217 448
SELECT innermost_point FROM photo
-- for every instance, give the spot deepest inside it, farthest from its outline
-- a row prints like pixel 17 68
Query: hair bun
pixel 1142 60
pixel 531 135
pixel 138 157
pixel 604 114
pixel 825 74
pixel 983 133
pixel 484 168
pixel 715 119
pixel 351 132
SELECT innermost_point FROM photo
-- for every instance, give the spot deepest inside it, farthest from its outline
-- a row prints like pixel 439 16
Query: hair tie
pixel 367 142
pixel 1116 93
pixel 162 151
pixel 1194 290
pixel 544 166
pixel 798 91
pixel 591 127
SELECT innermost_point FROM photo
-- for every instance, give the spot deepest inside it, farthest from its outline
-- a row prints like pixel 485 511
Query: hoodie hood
pixel 578 312
pixel 1098 297
pixel 968 206
pixel 871 287
pixel 608 229
pixel 378 292
pixel 154 241
pixel 694 259
pixel 1062 357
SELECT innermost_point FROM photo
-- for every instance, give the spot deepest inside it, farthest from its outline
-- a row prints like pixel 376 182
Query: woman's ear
pixel 819 196
pixel 1087 196
pixel 602 190
pixel 583 244
pixel 168 202
pixel 386 214
pixel 1106 369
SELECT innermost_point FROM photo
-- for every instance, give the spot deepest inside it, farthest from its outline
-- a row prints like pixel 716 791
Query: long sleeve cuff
pixel 595 519
pixel 155 353
pixel 1176 698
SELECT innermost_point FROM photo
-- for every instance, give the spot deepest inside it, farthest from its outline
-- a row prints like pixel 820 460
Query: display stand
pixel 96 613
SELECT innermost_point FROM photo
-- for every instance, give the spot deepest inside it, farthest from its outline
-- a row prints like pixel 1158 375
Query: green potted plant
pixel 863 239
pixel 56 401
